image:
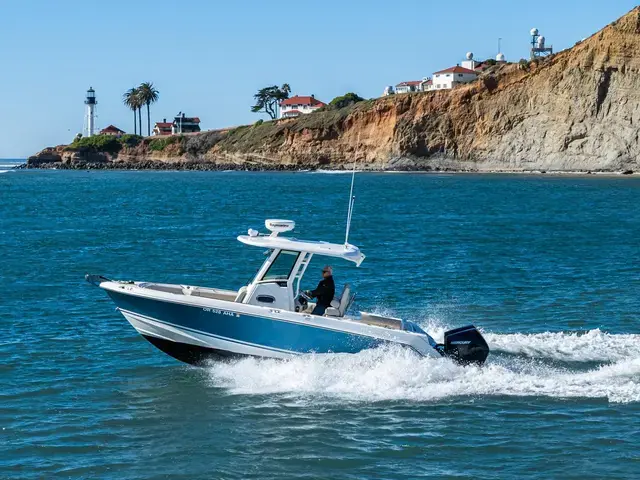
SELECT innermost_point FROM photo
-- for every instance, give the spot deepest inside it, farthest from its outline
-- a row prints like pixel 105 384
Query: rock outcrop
pixel 578 110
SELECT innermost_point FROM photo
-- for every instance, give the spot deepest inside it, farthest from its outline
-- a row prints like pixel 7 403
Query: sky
pixel 207 58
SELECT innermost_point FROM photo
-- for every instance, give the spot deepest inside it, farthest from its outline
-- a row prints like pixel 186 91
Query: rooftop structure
pixel 457 69
pixel 112 130
pixel 469 63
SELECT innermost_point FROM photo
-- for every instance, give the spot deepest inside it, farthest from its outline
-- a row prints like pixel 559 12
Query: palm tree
pixel 148 95
pixel 131 99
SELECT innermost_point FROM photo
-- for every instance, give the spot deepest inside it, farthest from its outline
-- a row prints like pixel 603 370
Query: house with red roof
pixel 408 87
pixel 451 77
pixel 162 128
pixel 299 105
pixel 181 124
pixel 112 130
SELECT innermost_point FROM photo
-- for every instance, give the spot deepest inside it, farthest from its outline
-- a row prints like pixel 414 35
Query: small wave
pixel 330 172
pixel 397 374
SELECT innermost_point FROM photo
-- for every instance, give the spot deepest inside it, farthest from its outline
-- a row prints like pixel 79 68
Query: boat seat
pixel 241 294
pixel 339 307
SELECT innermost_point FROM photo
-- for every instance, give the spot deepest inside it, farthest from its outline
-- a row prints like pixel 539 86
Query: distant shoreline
pixel 215 167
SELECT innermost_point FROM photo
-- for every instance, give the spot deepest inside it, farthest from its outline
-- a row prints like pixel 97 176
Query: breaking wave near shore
pixel 590 364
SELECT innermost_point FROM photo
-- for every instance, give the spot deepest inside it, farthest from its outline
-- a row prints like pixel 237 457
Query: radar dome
pixel 469 55
pixel 534 31
pixel 279 226
pixel 500 57
pixel 541 41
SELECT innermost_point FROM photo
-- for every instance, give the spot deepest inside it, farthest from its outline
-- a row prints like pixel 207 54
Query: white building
pixel 388 91
pixel 298 105
pixel 408 87
pixel 451 77
pixel 470 63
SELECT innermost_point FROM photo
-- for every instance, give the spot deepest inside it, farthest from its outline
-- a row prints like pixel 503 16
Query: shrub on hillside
pixel 346 100
pixel 97 143
pixel 202 143
pixel 130 140
pixel 160 143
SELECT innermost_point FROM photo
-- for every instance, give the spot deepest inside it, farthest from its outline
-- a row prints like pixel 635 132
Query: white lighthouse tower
pixel 91 103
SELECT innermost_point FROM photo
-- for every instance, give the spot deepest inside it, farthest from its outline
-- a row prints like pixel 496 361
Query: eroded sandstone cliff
pixel 576 111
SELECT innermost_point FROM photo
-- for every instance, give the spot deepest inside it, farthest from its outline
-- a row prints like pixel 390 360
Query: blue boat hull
pixel 222 334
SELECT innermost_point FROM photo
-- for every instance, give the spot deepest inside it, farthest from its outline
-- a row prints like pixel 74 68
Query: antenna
pixel 352 198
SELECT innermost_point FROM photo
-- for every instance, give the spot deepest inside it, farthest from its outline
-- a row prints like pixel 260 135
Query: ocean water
pixel 546 266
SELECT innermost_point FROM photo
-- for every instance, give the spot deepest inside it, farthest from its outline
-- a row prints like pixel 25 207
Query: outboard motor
pixel 465 345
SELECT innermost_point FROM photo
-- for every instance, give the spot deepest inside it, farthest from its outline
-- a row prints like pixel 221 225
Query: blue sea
pixel 547 267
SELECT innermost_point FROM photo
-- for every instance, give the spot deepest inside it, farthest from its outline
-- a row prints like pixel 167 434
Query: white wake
pixel 398 374
pixel 591 346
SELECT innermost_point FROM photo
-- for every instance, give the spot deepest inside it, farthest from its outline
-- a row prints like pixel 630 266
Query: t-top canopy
pixel 348 251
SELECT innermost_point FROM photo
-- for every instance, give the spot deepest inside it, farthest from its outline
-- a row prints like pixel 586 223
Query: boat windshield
pixel 282 266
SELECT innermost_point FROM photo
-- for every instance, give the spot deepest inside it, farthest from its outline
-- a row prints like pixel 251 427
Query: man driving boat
pixel 324 292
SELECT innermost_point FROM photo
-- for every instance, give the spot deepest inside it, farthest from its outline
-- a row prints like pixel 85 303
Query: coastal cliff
pixel 578 110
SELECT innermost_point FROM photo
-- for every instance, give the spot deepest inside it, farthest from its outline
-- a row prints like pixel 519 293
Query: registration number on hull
pixel 220 312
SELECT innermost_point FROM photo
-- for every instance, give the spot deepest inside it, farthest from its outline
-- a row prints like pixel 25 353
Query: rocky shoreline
pixel 217 167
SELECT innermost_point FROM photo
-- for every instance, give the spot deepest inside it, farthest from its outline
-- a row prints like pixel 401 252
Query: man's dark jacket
pixel 325 291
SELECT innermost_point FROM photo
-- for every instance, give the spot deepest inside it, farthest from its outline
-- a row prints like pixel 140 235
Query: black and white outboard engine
pixel 465 345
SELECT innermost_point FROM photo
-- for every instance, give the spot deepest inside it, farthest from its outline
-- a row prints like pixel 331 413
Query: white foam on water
pixel 590 346
pixel 398 374
pixel 4 171
pixel 331 172
pixel 549 364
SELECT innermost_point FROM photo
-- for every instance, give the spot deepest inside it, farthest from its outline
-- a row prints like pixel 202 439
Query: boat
pixel 271 316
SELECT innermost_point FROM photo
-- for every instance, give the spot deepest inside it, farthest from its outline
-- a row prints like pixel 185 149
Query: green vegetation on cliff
pixel 346 100
pixel 104 143
pixel 327 120
pixel 160 143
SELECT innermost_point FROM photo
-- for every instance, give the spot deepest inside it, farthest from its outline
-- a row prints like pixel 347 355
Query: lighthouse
pixel 91 103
